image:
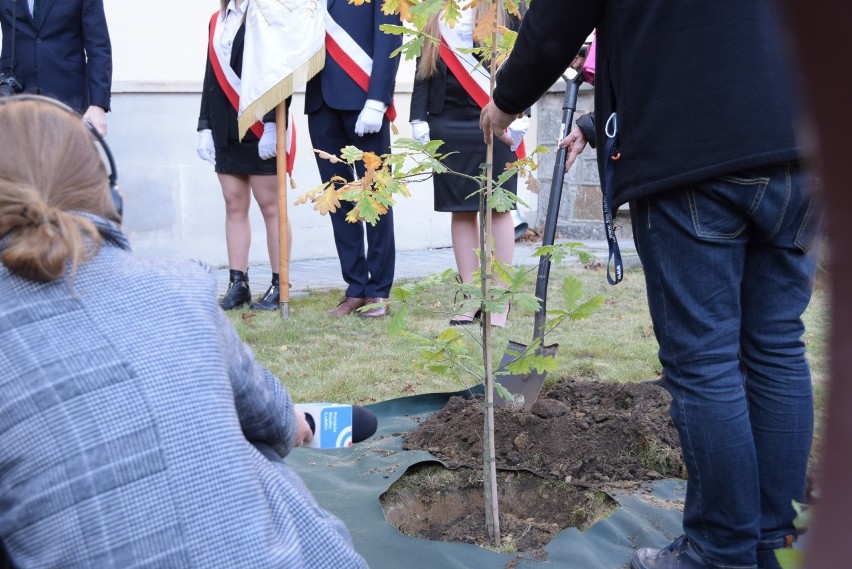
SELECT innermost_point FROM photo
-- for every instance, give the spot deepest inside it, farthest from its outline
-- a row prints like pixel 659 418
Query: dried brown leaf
pixel 486 26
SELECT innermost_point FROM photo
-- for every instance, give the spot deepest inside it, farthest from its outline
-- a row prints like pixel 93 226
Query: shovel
pixel 526 388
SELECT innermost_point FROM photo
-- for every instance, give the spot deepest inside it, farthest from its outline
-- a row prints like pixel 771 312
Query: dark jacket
pixel 332 85
pixel 701 88
pixel 68 57
pixel 427 96
pixel 217 113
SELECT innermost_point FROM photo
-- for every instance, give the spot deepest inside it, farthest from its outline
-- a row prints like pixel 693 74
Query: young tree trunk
pixel 492 508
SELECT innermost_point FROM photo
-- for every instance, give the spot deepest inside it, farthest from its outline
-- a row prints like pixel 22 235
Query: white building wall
pixel 173 204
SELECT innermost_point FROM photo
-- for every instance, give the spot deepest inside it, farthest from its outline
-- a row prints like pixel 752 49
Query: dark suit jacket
pixel 68 57
pixel 332 85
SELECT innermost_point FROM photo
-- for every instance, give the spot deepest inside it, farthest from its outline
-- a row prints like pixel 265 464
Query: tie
pixel 38 8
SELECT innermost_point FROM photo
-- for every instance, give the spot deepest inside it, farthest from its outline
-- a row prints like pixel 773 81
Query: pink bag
pixel 589 64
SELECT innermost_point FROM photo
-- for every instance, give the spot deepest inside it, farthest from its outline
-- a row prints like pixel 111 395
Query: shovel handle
pixel 572 88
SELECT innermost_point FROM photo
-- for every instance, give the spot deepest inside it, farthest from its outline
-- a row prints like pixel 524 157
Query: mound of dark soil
pixel 555 463
pixel 585 432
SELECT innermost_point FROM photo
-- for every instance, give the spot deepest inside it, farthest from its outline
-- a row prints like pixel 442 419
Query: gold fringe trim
pixel 280 91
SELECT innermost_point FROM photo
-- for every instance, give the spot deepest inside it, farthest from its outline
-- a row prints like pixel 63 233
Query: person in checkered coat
pixel 133 432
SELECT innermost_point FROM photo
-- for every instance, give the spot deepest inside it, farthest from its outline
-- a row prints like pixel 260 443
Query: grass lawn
pixel 355 360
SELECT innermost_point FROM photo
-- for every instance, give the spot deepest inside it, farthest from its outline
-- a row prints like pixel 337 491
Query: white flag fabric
pixel 284 48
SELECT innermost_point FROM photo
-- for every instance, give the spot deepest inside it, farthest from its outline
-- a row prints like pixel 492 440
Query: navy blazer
pixel 68 57
pixel 332 85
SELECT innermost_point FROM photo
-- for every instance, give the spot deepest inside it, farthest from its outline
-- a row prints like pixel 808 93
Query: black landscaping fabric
pixel 348 482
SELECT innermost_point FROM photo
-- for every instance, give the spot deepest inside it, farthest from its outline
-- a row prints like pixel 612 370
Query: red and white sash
pixel 470 73
pixel 346 52
pixel 230 84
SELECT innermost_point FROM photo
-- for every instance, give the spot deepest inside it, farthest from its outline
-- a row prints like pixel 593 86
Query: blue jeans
pixel 729 272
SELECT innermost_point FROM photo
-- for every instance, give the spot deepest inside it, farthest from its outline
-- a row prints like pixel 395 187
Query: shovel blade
pixel 524 388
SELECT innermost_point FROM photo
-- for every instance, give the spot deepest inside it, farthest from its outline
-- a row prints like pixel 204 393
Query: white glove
pixel 266 146
pixel 517 129
pixel 420 131
pixel 370 119
pixel 205 148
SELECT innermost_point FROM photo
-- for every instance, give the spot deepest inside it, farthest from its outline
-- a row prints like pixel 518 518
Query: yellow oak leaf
pixel 354 215
pixel 327 201
pixel 372 161
pixel 486 26
pixel 359 2
pixel 381 209
pixel 402 6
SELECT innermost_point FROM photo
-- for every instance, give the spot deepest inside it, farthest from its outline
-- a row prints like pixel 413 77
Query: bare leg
pixel 237 194
pixel 465 234
pixel 464 230
pixel 265 189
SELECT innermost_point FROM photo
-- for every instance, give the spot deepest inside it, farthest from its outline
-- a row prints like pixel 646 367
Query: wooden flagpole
pixel 283 235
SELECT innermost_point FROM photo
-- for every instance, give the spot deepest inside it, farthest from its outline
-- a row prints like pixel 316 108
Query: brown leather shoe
pixel 377 311
pixel 347 306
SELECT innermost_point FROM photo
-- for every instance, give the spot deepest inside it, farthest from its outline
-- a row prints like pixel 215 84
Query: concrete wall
pixel 173 202
pixel 580 210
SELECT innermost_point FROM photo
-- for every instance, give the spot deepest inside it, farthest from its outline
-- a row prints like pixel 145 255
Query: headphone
pixel 106 155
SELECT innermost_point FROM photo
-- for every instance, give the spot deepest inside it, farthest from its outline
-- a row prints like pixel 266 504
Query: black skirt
pixel 458 126
pixel 242 158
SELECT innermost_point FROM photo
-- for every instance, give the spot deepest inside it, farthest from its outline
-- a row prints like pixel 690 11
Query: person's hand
pixel 370 119
pixel 96 116
pixel 575 142
pixel 516 131
pixel 494 122
pixel 303 431
pixel 205 148
pixel 266 147
pixel 420 131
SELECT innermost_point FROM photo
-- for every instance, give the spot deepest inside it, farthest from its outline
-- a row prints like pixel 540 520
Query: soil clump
pixel 557 462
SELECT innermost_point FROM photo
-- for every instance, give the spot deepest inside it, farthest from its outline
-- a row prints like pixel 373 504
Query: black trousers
pixel 368 272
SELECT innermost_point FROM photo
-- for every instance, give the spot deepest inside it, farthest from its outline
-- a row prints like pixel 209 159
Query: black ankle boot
pixel 238 292
pixel 271 298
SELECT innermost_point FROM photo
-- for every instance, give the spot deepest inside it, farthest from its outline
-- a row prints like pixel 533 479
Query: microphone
pixel 338 426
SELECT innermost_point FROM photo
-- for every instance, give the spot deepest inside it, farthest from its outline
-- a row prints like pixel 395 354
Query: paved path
pixel 324 274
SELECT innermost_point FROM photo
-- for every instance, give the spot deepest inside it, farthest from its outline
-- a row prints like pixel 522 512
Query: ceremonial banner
pixel 231 86
pixel 284 48
pixel 470 73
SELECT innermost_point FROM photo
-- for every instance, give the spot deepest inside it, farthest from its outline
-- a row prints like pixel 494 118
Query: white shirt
pixel 464 27
pixel 231 20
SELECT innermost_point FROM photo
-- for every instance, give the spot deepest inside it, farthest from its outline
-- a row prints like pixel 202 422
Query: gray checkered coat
pixel 137 430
